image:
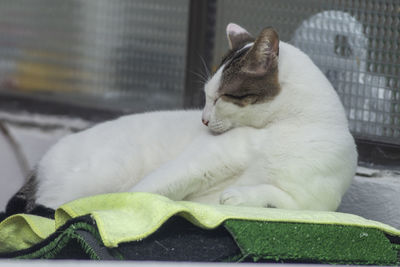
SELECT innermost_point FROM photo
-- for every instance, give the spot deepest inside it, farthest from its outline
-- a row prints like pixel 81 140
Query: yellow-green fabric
pixel 23 231
pixel 124 217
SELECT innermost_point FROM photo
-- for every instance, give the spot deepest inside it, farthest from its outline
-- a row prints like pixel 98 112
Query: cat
pixel 273 133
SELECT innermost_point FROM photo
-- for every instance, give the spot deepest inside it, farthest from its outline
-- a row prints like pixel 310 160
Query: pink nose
pixel 205 122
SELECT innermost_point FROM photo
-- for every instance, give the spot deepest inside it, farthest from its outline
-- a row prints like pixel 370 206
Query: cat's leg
pixel 207 161
pixel 260 195
pixel 256 187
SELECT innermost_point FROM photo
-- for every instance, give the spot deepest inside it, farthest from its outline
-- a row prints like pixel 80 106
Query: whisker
pixel 203 78
pixel 205 67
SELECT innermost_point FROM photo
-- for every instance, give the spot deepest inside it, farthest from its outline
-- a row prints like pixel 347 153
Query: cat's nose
pixel 205 122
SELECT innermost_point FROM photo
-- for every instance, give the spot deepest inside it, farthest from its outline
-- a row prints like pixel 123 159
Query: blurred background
pixel 65 65
pixel 96 53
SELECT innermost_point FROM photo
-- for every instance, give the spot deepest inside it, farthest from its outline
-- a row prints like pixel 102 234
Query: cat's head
pixel 245 82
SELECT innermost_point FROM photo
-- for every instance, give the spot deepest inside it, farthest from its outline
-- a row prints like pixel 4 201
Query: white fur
pixel 292 152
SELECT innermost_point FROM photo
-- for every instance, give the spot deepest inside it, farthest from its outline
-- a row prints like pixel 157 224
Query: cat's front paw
pixel 231 197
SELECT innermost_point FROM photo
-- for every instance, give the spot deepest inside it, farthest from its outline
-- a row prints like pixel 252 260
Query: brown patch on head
pixel 233 55
pixel 252 77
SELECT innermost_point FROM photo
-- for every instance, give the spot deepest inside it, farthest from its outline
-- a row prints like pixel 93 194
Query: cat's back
pixel 163 124
pixel 313 128
pixel 311 105
pixel 113 155
pixel 156 134
pixel 306 92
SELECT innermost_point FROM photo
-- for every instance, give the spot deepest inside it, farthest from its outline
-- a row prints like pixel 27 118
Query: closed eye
pixel 240 97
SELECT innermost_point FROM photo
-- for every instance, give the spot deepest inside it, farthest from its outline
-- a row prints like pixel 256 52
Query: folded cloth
pixel 23 231
pixel 260 233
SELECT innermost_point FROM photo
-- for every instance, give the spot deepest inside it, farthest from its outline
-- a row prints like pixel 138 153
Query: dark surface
pixel 24 201
pixel 74 249
pixel 179 240
pixel 378 155
pixel 176 240
pixel 70 252
pixel 15 205
pixel 2 216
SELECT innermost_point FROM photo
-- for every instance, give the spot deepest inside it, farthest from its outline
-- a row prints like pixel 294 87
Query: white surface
pixel 374 198
pixel 34 142
pixel 11 176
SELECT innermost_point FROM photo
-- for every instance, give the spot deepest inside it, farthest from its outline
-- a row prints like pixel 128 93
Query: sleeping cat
pixel 274 134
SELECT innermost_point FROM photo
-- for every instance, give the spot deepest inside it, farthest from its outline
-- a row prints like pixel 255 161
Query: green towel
pixel 23 231
pixel 128 217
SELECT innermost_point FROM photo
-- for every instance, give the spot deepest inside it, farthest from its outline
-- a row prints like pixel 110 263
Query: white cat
pixel 276 136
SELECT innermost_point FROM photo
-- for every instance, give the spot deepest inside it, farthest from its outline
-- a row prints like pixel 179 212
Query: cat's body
pixel 285 146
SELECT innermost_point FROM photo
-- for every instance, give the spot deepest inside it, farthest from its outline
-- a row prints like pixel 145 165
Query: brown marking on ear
pixel 253 78
pixel 241 40
pixel 263 52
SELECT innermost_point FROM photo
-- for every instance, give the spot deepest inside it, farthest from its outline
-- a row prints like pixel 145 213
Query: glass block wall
pixel 356 43
pixel 121 54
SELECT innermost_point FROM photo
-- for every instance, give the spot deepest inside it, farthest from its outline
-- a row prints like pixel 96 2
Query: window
pixel 136 55
pixel 119 55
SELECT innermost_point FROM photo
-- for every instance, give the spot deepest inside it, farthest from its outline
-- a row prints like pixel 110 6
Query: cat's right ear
pixel 237 36
pixel 263 54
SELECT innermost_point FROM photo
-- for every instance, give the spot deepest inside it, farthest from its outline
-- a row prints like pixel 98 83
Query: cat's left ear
pixel 237 36
pixel 264 53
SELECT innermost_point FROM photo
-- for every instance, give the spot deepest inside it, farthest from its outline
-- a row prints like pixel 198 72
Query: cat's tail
pixel 24 201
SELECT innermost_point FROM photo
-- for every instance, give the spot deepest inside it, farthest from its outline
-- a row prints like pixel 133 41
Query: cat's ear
pixel 264 53
pixel 237 36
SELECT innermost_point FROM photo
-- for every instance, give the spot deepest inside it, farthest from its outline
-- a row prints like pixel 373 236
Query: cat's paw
pixel 231 197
